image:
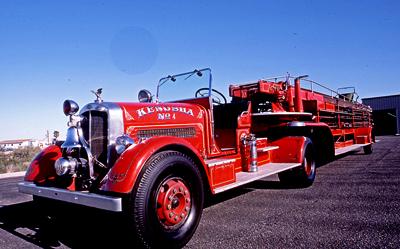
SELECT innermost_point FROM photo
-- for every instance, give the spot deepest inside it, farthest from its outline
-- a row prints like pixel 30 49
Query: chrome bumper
pixel 81 198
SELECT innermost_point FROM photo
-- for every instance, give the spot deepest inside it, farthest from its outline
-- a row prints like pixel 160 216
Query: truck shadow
pixel 81 227
pixel 74 227
pixel 265 184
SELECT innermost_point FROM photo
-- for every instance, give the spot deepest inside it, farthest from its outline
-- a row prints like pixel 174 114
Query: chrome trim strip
pixel 282 114
pixel 216 162
pixel 86 199
pixel 268 148
pixel 88 151
pixel 296 124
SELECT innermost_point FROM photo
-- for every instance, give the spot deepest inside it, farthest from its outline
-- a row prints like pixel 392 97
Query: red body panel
pixel 166 118
pixel 41 168
pixel 290 150
pixel 143 114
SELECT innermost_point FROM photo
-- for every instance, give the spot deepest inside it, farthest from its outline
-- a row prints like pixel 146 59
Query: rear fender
pixel 41 168
pixel 290 149
pixel 123 175
pixel 321 137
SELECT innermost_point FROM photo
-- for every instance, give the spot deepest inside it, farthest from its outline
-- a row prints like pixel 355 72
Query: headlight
pixel 144 96
pixel 70 107
pixel 64 166
pixel 122 143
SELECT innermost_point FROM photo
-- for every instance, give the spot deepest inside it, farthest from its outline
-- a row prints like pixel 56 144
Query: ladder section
pixel 263 171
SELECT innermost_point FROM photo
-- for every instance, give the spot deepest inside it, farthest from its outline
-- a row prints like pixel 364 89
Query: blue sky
pixel 56 50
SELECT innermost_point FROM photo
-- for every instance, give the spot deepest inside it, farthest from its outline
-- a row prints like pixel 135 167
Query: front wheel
pixel 166 207
pixel 305 174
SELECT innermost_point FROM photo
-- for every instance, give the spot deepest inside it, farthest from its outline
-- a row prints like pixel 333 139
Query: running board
pixel 346 149
pixel 263 171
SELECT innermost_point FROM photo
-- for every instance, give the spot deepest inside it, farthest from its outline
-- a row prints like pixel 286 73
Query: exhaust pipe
pixel 298 104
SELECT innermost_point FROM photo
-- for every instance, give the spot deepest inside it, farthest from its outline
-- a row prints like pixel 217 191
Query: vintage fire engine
pixel 156 159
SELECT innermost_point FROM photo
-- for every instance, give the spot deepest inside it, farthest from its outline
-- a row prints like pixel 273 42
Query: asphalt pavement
pixel 354 203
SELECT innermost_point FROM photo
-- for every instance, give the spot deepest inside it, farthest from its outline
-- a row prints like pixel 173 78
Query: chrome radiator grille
pixel 95 131
pixel 173 132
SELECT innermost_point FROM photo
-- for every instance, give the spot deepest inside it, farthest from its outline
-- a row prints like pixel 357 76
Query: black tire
pixel 368 149
pixel 145 211
pixel 304 175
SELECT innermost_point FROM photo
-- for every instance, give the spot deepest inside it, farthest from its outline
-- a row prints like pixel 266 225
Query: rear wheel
pixel 166 206
pixel 305 174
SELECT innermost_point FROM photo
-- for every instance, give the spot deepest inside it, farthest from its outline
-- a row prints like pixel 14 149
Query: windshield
pixel 190 85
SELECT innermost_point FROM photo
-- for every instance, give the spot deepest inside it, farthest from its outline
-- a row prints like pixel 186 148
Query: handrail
pixel 311 86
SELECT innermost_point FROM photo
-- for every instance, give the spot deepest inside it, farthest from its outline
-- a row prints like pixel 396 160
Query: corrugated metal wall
pixel 384 103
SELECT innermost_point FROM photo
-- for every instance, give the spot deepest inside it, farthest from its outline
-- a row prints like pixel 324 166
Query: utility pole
pixel 48 136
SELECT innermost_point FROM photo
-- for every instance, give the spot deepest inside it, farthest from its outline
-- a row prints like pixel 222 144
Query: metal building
pixel 386 113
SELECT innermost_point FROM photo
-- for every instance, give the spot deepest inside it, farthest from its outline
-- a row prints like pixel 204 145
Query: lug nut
pixel 174 191
pixel 182 215
pixel 170 197
pixel 187 200
pixel 169 207
pixel 180 189
pixel 176 218
pixel 186 192
pixel 186 209
pixel 171 214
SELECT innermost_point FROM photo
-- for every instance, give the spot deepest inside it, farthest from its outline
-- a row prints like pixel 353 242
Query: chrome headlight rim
pixel 144 96
pixel 64 166
pixel 122 143
pixel 70 107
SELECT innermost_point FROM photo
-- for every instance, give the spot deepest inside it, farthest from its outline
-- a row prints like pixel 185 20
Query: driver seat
pixel 226 122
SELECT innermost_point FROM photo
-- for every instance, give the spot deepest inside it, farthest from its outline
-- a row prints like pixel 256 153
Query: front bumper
pixel 82 198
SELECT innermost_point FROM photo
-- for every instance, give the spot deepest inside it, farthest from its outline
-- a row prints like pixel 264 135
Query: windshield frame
pixel 168 78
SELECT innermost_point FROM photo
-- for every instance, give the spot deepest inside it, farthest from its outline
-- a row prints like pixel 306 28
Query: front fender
pixel 123 175
pixel 41 168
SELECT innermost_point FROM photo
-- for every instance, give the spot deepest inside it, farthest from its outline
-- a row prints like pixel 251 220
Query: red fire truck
pixel 154 160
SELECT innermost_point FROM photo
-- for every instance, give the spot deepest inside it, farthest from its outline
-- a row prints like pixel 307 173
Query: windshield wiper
pixel 199 73
pixel 169 77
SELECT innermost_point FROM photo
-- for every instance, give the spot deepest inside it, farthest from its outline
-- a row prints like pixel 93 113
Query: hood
pixel 160 114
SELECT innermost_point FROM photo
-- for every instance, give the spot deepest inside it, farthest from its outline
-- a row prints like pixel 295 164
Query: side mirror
pixel 145 96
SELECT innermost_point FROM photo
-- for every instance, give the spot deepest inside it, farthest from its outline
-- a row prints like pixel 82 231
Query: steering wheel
pixel 217 97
